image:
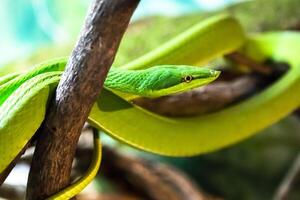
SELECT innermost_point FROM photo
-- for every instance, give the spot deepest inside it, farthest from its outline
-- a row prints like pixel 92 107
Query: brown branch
pixel 77 91
pixel 136 178
pixel 250 63
pixel 228 89
pixel 155 180
pixel 210 98
pixel 140 177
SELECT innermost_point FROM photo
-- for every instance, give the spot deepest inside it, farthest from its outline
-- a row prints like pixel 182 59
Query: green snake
pixel 25 96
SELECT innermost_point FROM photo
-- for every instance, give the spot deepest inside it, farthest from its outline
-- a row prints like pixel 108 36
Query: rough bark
pixel 77 91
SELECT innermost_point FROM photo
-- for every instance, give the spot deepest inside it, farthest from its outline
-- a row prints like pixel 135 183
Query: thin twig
pixel 289 182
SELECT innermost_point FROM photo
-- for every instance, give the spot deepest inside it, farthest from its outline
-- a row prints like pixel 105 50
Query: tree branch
pixel 155 180
pixel 251 64
pixel 206 99
pixel 77 91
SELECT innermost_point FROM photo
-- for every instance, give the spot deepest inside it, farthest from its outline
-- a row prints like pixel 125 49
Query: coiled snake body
pixel 24 96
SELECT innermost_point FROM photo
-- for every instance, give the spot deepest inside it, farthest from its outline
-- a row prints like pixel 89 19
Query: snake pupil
pixel 188 79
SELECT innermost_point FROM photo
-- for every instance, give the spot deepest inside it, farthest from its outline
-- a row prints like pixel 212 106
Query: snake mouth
pixel 212 74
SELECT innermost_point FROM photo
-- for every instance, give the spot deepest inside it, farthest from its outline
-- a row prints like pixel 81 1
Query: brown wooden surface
pixel 77 91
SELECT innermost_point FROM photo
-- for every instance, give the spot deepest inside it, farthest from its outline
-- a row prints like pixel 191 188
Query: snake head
pixel 170 79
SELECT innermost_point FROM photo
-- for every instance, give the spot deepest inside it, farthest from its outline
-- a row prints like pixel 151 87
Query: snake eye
pixel 188 78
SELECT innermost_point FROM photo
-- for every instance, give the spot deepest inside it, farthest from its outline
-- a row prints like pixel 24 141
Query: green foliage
pixel 266 15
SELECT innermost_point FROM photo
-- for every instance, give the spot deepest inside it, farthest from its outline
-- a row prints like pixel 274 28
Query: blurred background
pixel 28 25
pixel 36 30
